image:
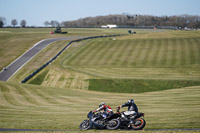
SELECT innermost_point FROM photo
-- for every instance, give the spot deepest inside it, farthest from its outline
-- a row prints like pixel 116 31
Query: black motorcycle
pixel 130 122
pixel 101 121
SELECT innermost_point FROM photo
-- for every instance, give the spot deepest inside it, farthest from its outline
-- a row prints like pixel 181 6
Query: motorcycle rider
pixel 132 110
pixel 106 108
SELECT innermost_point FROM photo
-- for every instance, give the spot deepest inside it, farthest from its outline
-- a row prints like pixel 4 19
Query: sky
pixel 36 12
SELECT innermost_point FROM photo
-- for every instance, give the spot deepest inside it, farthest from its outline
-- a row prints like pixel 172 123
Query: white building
pixel 109 26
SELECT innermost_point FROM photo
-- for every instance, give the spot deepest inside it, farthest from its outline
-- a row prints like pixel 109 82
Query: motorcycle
pixel 101 120
pixel 130 121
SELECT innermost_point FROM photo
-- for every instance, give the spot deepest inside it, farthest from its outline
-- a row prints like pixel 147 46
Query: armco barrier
pixel 47 63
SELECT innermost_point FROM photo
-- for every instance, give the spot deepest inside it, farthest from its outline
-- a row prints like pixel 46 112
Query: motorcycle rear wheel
pixel 113 124
pixel 85 125
pixel 139 126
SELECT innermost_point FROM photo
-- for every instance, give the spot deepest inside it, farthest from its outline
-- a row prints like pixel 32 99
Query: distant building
pixel 109 26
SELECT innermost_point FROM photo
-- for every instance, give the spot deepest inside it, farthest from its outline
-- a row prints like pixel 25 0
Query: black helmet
pixel 130 101
pixel 102 103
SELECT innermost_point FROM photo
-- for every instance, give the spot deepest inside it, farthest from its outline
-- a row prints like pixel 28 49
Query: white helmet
pixel 102 103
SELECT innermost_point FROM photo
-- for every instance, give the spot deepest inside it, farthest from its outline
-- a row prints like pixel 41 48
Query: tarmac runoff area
pixel 16 65
pixel 10 129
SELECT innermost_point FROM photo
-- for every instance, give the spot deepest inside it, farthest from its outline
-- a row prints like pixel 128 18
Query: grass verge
pixel 39 79
pixel 137 85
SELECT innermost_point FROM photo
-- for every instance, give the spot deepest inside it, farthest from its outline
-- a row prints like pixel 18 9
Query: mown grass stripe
pixel 43 99
pixel 183 53
pixel 197 49
pixel 159 52
pixel 138 53
pixel 148 54
pixel 110 54
pixel 193 52
pixel 90 55
pixel 96 54
pixel 8 95
pixel 33 97
pixel 184 58
pixel 119 57
pixel 162 53
pixel 166 53
pixel 144 51
pixel 126 47
pixel 187 52
pixel 117 54
pixel 102 54
pixel 74 82
pixel 71 51
pixel 129 56
pixel 3 102
pixel 81 58
pixel 170 53
pixel 68 82
pixel 27 95
pixel 133 53
pixel 154 53
pixel 113 50
pixel 21 98
pixel 178 53
pixel 99 47
pixel 74 60
pixel 130 49
pixel 122 57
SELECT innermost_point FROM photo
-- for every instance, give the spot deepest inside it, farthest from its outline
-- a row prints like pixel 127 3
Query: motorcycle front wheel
pixel 85 125
pixel 113 124
pixel 139 124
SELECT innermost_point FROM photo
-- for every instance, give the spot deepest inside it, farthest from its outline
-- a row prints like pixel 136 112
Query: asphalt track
pixel 12 68
pixel 10 129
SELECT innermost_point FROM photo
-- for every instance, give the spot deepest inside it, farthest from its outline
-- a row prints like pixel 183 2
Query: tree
pixel 1 24
pixel 46 23
pixel 23 23
pixel 14 22
pixel 54 23
pixel 2 21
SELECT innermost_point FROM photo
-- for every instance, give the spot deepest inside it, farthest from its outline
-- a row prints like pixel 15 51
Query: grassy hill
pixel 21 39
pixel 30 106
pixel 169 55
pixel 159 69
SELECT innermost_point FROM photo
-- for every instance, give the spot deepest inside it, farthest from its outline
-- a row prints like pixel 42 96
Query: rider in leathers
pixel 107 109
pixel 132 109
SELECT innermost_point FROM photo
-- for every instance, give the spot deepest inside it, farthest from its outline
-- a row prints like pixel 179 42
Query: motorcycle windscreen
pixel 90 114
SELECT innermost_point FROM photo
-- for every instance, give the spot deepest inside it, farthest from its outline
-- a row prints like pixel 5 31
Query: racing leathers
pixel 107 110
pixel 132 109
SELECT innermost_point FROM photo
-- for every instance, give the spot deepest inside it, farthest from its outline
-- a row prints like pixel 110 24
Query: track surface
pixel 28 55
pixel 10 129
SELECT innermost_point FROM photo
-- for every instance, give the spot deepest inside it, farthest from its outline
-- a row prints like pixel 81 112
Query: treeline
pixel 13 22
pixel 124 20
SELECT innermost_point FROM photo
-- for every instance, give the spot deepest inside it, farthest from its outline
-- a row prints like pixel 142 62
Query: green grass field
pixel 141 56
pixel 35 107
pixel 21 39
pixel 159 69
pixel 137 85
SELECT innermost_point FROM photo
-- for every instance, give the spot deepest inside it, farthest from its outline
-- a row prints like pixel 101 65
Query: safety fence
pixel 54 58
